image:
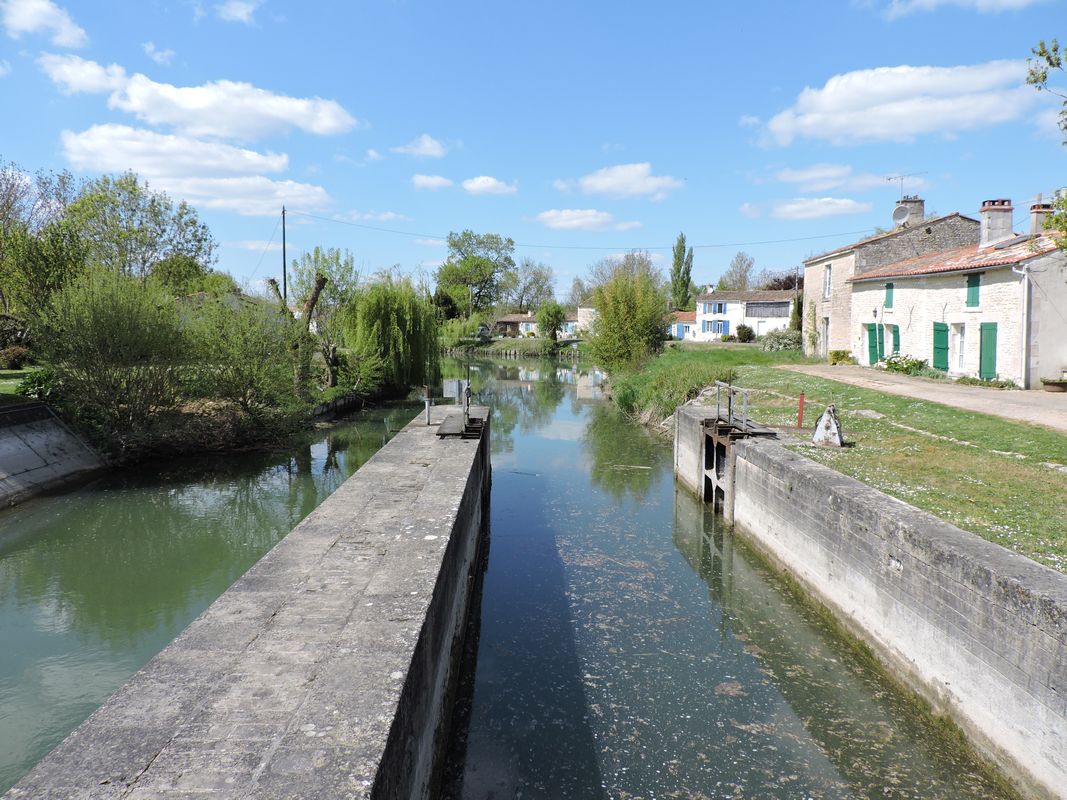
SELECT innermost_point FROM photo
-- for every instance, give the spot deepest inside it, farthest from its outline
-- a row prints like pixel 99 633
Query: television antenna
pixel 901 178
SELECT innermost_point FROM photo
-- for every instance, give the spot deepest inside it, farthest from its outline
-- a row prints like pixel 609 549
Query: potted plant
pixel 1054 384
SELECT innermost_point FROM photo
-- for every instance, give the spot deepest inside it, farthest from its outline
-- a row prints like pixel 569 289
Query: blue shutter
pixel 726 326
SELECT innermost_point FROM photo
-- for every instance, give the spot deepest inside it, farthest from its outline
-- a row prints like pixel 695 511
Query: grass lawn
pixel 981 473
pixel 9 381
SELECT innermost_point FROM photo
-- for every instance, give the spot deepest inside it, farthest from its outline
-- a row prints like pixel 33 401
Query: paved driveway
pixel 1036 406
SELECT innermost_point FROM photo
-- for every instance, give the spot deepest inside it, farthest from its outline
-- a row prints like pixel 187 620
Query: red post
pixel 800 412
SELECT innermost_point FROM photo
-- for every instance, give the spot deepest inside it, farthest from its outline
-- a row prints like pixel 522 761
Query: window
pixel 973 282
pixel 720 308
pixel 959 345
pixel 889 295
pixel 826 281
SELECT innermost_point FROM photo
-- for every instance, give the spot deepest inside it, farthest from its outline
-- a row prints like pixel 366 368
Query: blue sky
pixel 579 129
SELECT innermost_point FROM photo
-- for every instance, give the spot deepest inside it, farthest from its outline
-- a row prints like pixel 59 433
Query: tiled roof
pixel 755 295
pixel 883 235
pixel 683 316
pixel 964 259
pixel 516 318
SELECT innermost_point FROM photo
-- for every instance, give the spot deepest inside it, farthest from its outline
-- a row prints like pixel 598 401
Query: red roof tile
pixel 684 316
pixel 964 259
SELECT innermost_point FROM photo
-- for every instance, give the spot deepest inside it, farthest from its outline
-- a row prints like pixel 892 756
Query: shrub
pixel 784 339
pixel 629 326
pixel 745 333
pixel 530 335
pixel 908 365
pixel 43 384
pixel 455 331
pixel 665 390
pixel 14 357
pixel 117 347
pixel 989 383
pixel 841 357
pixel 728 337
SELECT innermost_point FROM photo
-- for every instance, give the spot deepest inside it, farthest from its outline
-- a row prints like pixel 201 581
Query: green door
pixel 941 346
pixel 881 342
pixel 987 354
pixel 872 344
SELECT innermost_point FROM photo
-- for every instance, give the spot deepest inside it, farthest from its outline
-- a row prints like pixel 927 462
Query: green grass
pixel 981 473
pixel 9 381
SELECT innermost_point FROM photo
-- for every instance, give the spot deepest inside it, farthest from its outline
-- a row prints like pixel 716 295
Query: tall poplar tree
pixel 681 274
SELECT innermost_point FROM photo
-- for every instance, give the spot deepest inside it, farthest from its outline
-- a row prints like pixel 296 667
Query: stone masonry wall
pixel 978 630
pixel 916 240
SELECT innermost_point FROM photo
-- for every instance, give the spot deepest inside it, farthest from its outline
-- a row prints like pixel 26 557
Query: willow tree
pixel 392 320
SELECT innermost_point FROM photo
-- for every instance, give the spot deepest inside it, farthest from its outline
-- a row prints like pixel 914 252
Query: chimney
pixel 916 208
pixel 996 222
pixel 1038 214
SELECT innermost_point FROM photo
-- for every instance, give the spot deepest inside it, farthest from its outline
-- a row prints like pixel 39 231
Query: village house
pixel 516 324
pixel 992 308
pixel 719 313
pixel 682 325
pixel 827 311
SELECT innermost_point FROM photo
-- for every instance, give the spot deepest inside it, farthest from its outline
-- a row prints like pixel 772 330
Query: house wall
pixel 586 317
pixel 1048 315
pixel 762 325
pixel 917 240
pixel 920 302
pixel 838 307
pixel 734 314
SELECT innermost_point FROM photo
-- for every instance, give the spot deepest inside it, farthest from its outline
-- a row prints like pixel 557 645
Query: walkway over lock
pixel 326 670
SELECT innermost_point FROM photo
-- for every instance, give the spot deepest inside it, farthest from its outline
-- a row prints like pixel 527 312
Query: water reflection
pixel 95 582
pixel 628 648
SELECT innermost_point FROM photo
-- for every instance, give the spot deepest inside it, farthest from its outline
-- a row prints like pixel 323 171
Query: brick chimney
pixel 1039 212
pixel 996 222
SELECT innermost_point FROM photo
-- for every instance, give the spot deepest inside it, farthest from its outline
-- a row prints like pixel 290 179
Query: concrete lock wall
pixel 38 453
pixel 327 669
pixel 979 631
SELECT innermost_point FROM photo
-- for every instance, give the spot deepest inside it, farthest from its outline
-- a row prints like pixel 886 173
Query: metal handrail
pixel 731 391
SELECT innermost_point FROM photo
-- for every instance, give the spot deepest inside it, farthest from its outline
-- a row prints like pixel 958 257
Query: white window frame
pixel 827 282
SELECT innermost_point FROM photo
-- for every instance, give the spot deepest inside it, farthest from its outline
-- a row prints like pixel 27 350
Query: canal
pixel 95 582
pixel 628 646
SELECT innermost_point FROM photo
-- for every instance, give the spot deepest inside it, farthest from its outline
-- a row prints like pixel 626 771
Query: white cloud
pixel 749 121
pixel 749 210
pixel 161 57
pixel 424 146
pixel 431 182
pixel 582 219
pixel 818 208
pixel 117 148
pixel 825 177
pixel 900 103
pixel 5 68
pixel 377 216
pixel 628 180
pixel 255 245
pixel 238 11
pixel 220 108
pixel 562 185
pixel 485 184
pixel 900 8
pixel 250 195
pixel 374 155
pixel 38 16
pixel 432 263
pixel 431 242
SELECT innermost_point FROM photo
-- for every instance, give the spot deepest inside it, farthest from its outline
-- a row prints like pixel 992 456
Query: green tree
pixel 179 274
pixel 550 318
pixel 131 228
pixel 1049 57
pixel 738 276
pixel 630 324
pixel 478 269
pixel 342 282
pixel 35 265
pixel 681 274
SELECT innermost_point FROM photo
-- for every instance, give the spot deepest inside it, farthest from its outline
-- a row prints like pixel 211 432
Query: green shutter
pixel 881 342
pixel 896 338
pixel 940 346
pixel 987 353
pixel 872 344
pixel 973 282
pixel 889 295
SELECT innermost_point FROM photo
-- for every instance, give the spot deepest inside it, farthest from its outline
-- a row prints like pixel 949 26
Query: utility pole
pixel 285 288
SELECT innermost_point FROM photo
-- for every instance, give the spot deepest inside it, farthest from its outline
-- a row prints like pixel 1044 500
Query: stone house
pixel 516 324
pixel 682 325
pixel 719 313
pixel 993 309
pixel 827 311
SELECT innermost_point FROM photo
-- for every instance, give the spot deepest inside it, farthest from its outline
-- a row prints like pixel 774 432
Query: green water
pixel 95 582
pixel 628 646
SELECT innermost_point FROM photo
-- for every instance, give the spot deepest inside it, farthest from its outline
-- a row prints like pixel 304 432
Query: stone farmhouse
pixel 719 313
pixel 971 297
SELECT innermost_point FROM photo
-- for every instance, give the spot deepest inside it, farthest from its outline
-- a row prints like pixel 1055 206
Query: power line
pixel 584 247
pixel 266 247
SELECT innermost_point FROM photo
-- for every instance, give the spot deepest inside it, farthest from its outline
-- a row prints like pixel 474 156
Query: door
pixel 872 344
pixel 940 346
pixel 987 353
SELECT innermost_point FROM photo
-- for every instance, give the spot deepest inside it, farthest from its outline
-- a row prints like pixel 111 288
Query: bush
pixel 14 357
pixel 989 383
pixel 117 347
pixel 745 333
pixel 784 339
pixel 636 393
pixel 629 326
pixel 455 331
pixel 841 357
pixel 43 384
pixel 897 362
pixel 728 337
